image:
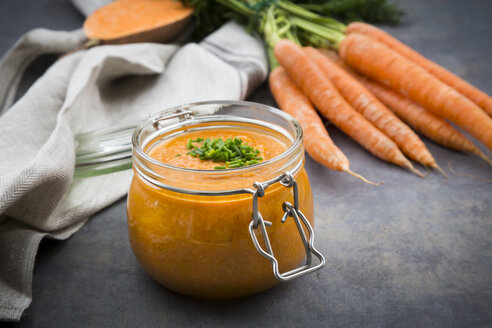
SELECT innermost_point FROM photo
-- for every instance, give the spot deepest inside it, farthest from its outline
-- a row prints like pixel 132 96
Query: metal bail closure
pixel 182 114
pixel 288 181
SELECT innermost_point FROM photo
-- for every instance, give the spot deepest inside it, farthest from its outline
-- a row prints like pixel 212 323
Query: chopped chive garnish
pixel 233 152
pixel 178 155
pixel 189 145
pixel 236 149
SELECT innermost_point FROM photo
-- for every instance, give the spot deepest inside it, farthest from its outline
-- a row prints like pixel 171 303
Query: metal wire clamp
pixel 288 181
pixel 181 113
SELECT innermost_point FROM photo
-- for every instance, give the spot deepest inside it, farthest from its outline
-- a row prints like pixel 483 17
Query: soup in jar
pixel 199 244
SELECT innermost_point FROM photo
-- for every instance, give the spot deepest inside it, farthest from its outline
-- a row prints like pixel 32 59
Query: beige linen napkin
pixel 91 89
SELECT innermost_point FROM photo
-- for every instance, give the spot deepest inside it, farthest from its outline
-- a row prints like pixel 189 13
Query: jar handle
pixel 293 211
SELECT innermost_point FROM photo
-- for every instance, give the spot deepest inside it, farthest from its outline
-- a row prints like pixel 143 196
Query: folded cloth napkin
pixel 96 88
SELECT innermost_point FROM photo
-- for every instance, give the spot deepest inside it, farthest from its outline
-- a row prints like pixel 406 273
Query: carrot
pixel 419 118
pixel 126 21
pixel 368 105
pixel 383 64
pixel 317 142
pixel 425 122
pixel 477 96
pixel 308 76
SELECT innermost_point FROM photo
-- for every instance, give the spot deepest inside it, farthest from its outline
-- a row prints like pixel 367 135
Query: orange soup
pixel 200 244
pixel 173 151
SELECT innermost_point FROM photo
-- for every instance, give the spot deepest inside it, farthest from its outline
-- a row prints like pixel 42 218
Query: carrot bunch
pixel 376 91
pixel 371 91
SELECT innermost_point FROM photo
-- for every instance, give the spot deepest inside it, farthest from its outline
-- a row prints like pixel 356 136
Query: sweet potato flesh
pixel 128 17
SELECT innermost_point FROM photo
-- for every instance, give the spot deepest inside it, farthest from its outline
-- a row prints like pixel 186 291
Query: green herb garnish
pixel 233 152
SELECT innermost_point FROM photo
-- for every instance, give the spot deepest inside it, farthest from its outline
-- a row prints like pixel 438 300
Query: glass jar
pixel 221 233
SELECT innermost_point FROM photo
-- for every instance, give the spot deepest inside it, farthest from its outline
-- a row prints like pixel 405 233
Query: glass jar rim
pixel 137 147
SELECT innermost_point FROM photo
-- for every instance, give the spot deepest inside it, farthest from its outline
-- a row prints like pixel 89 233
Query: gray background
pixel 411 253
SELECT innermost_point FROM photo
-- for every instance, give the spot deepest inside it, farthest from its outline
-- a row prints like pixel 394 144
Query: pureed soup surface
pixel 174 151
pixel 200 245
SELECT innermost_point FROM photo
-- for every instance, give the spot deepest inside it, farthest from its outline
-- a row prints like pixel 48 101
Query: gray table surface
pixel 411 253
